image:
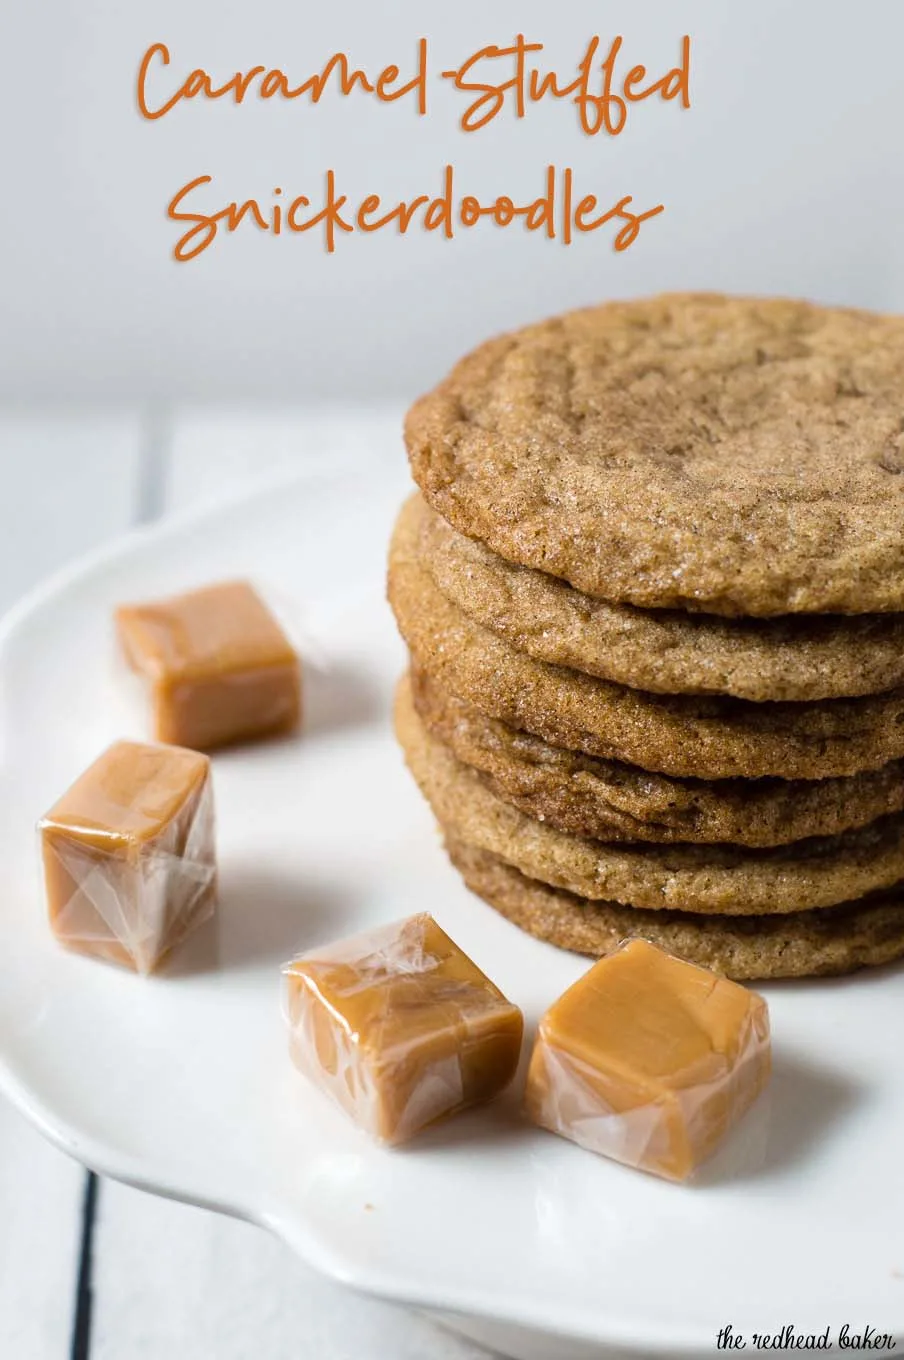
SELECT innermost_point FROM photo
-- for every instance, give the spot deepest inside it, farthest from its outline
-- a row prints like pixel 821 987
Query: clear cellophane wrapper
pixel 208 703
pixel 384 1025
pixel 669 1131
pixel 207 714
pixel 133 901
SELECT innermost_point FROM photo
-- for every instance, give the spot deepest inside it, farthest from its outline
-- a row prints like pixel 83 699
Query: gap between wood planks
pixel 153 461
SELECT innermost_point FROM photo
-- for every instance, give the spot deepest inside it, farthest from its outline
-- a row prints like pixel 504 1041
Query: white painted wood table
pixel 160 1281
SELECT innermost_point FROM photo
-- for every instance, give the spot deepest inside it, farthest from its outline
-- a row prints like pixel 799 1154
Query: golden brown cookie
pixel 741 456
pixel 796 657
pixel 705 738
pixel 808 943
pixel 605 800
pixel 721 879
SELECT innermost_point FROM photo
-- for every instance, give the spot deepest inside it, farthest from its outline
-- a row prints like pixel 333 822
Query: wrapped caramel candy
pixel 128 853
pixel 220 667
pixel 400 1027
pixel 649 1060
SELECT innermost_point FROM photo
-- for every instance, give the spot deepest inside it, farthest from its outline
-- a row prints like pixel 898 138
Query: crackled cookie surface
pixel 796 657
pixel 739 456
pixel 722 879
pixel 607 800
pixel 683 735
pixel 837 939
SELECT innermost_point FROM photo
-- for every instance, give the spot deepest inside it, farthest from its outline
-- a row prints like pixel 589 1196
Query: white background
pixel 785 175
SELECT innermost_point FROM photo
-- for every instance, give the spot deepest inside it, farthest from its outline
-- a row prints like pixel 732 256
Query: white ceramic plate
pixel 181 1083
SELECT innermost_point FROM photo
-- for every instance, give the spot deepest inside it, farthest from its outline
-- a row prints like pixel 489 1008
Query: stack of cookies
pixel 652 588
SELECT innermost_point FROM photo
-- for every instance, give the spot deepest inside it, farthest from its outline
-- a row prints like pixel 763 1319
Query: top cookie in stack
pixel 651 592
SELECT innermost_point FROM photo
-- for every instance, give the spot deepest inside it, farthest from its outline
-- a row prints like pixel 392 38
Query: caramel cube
pixel 220 667
pixel 649 1060
pixel 128 852
pixel 400 1027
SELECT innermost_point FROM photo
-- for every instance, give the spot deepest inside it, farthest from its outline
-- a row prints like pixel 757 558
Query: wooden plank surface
pixel 40 1196
pixel 215 452
pixel 177 1283
pixel 69 482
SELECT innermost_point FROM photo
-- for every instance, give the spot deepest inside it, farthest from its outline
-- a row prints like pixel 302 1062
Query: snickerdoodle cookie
pixel 741 456
pixel 683 735
pixel 796 657
pixel 836 939
pixel 607 800
pixel 720 879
